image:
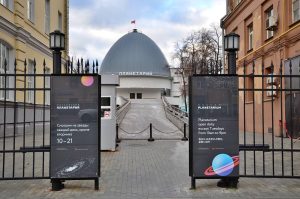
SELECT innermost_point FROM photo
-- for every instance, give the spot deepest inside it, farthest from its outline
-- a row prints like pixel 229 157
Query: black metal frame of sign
pixel 75 128
pixel 213 127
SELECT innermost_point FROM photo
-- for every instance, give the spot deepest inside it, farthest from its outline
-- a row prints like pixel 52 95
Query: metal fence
pixel 24 123
pixel 269 120
pixel 25 116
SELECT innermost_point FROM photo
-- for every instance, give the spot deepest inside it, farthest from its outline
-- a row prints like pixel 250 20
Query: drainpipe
pixel 223 51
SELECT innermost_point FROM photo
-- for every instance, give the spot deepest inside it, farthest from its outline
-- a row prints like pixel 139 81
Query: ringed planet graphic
pixel 87 80
pixel 222 165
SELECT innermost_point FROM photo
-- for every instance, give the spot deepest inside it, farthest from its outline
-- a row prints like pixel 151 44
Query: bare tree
pixel 183 70
pixel 199 53
pixel 202 51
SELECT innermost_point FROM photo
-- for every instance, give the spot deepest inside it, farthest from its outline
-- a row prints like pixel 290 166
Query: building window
pixel 270 20
pixel 30 10
pixel 250 85
pixel 8 4
pixel 4 2
pixel 47 16
pixel 30 82
pixel 132 95
pixel 4 82
pixel 296 10
pixel 60 21
pixel 139 95
pixel 250 37
pixel 237 2
pixel 47 85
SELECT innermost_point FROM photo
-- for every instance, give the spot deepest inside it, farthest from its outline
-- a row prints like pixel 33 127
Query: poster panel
pixel 75 126
pixel 214 125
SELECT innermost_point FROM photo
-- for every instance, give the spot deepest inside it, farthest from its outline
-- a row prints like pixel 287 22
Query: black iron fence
pixel 25 116
pixel 269 118
pixel 269 115
pixel 24 120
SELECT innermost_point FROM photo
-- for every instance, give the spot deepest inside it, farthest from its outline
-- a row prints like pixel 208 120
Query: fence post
pixel 117 134
pixel 151 137
pixel 184 133
pixel 57 184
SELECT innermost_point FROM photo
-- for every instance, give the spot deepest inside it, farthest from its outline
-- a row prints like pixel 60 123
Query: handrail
pixel 122 111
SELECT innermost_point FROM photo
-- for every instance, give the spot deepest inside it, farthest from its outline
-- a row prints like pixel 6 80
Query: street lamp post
pixel 57 44
pixel 231 45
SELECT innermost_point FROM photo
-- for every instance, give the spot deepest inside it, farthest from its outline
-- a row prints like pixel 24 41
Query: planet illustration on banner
pixel 87 80
pixel 222 165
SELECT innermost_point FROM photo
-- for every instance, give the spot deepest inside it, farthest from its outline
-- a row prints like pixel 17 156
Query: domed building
pixel 142 68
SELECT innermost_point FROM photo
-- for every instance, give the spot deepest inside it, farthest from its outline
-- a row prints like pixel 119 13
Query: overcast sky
pixel 95 25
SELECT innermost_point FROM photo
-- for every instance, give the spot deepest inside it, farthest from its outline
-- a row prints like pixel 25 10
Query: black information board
pixel 75 127
pixel 214 136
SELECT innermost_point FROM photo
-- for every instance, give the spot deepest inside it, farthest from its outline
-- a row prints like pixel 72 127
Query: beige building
pixel 24 34
pixel 269 32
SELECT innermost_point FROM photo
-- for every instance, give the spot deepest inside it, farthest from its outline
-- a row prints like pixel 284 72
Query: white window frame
pixel 5 3
pixel 60 21
pixel 270 13
pixel 8 4
pixel 296 10
pixel 4 55
pixel 47 16
pixel 30 81
pixel 30 10
pixel 47 85
pixel 250 36
pixel 238 2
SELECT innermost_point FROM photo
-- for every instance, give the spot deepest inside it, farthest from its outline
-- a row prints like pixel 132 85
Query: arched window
pixel 4 68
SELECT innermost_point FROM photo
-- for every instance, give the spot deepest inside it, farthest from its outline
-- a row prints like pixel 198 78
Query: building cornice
pixel 24 36
pixel 271 47
pixel 227 19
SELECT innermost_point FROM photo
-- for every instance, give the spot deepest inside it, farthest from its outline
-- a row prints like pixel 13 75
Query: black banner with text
pixel 75 126
pixel 214 143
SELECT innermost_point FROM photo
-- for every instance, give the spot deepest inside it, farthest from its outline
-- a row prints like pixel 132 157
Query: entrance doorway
pixel 135 95
pixel 132 96
pixel 139 96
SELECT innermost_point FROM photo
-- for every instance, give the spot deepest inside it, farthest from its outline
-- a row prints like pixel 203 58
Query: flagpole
pixel 133 22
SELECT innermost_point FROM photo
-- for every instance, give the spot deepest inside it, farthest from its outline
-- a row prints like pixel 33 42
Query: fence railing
pixel 178 117
pixel 24 120
pixel 25 116
pixel 153 135
pixel 269 104
pixel 122 111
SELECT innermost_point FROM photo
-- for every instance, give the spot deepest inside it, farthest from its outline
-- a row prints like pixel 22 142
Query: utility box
pixel 108 111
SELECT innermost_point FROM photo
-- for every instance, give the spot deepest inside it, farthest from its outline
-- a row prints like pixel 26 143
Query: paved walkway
pixel 144 170
pixel 153 170
pixel 143 112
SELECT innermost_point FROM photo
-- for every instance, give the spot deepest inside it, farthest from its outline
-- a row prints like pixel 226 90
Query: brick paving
pixel 159 170
pixel 144 170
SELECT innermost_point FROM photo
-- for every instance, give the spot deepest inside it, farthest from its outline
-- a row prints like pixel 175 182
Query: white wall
pixel 144 82
pixel 147 93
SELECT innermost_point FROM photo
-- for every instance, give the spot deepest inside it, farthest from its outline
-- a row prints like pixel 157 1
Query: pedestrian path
pixel 154 170
pixel 150 170
pixel 136 123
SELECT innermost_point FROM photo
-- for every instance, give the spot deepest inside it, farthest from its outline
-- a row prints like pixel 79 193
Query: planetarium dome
pixel 135 54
